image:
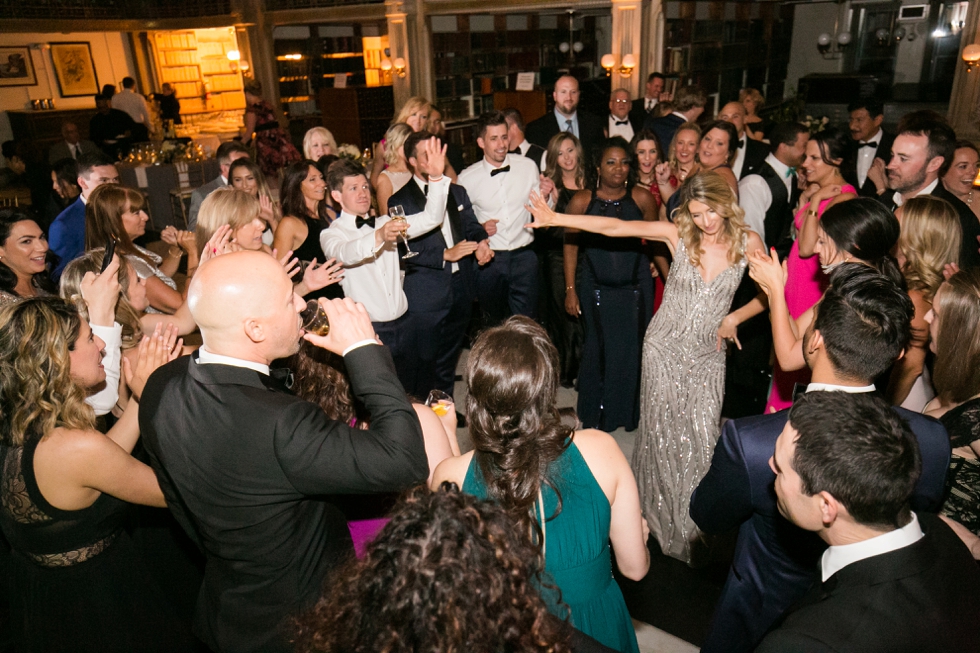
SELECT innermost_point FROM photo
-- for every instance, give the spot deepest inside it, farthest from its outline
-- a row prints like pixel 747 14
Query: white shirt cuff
pixel 359 344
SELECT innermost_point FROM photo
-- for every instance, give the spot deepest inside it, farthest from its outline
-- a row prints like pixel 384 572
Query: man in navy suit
pixel 440 283
pixel 860 328
pixel 689 104
pixel 67 233
pixel 566 117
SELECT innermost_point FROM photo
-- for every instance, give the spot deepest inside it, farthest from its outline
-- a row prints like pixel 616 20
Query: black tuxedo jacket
pixel 244 466
pixel 637 125
pixel 922 597
pixel 848 167
pixel 639 114
pixel 664 127
pixel 428 276
pixel 969 254
pixel 590 129
pixel 775 561
pixel 534 152
pixel 755 155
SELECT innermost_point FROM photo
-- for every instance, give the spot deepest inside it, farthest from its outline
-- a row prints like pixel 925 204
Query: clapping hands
pixel 766 270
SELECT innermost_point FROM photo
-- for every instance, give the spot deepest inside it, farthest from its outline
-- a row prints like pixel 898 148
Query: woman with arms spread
pixel 683 365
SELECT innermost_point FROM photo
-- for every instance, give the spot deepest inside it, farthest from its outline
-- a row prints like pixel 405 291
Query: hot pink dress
pixel 805 285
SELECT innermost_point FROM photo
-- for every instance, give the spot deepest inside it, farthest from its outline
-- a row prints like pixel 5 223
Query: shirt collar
pixel 524 146
pixel 876 138
pixel 679 115
pixel 205 357
pixel 224 180
pixel 82 197
pixel 422 183
pixel 837 557
pixel 778 166
pixel 830 387
pixel 899 200
pixel 562 118
pixel 490 167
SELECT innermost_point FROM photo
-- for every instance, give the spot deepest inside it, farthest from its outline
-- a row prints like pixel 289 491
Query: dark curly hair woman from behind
pixel 449 573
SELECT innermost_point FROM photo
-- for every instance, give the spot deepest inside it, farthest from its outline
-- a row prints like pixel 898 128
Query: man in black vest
pixel 518 143
pixel 921 155
pixel 871 143
pixel 768 198
pixel 751 153
pixel 440 282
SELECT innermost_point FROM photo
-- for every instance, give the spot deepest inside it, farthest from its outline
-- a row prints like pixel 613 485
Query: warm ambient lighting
pixel 293 57
pixel 399 66
pixel 971 56
pixel 234 55
pixel 608 62
pixel 386 64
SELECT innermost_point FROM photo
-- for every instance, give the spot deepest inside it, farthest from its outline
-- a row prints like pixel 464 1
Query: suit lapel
pixel 455 222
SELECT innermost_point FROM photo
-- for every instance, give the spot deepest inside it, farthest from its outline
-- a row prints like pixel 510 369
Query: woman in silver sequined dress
pixel 684 348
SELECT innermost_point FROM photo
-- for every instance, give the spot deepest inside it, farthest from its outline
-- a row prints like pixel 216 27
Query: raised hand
pixel 266 211
pixel 169 235
pixel 101 293
pixel 766 270
pixel 543 215
pixel 662 172
pixel 878 175
pixel 435 155
pixel 220 243
pixel 155 350
pixel 951 268
pixel 327 273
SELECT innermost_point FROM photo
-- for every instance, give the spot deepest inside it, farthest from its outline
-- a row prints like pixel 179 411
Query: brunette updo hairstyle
pixel 512 376
pixel 866 230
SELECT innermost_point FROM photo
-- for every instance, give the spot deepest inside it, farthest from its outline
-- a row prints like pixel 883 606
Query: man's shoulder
pixel 206 189
pixel 70 214
pixel 522 164
pixel 543 123
pixel 470 173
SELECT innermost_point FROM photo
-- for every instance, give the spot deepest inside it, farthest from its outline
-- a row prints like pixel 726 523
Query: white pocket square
pixel 459 208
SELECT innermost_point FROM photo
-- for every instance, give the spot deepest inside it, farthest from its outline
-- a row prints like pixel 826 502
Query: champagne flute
pixel 397 213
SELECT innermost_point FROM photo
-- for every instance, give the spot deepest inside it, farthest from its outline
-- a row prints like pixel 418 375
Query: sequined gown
pixel 681 395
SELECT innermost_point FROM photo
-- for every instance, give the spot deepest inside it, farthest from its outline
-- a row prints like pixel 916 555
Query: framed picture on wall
pixel 74 69
pixel 16 67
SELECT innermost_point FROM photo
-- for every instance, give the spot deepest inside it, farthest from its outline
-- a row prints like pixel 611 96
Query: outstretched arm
pixel 546 217
pixel 768 273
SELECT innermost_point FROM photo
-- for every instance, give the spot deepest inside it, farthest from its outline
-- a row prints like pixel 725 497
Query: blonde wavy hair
pixel 395 139
pixel 126 315
pixel 412 105
pixel 37 391
pixel 930 238
pixel 710 188
pixel 672 152
pixel 321 131
pixel 224 206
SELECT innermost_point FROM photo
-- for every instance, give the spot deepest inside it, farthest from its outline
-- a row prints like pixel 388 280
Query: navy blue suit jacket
pixel 66 235
pixel 664 127
pixel 428 275
pixel 775 561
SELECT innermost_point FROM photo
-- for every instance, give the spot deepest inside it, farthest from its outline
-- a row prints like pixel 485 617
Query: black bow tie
pixel 515 151
pixel 360 222
pixel 497 171
pixel 870 144
pixel 283 375
pixel 622 122
pixel 739 145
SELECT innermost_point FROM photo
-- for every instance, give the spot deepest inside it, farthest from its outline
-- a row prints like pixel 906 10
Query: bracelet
pixel 179 254
pixel 812 212
pixel 567 288
pixel 435 179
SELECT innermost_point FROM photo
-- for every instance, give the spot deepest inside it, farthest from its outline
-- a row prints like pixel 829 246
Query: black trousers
pixel 399 337
pixel 508 285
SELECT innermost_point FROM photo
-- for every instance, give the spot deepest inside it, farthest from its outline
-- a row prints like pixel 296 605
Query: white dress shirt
pixel 502 197
pixel 445 228
pixel 866 156
pixel 205 357
pixel 649 103
pixel 133 104
pixel 899 200
pixel 755 198
pixel 372 275
pixel 626 131
pixel 739 157
pixel 837 557
pixel 103 400
pixel 831 387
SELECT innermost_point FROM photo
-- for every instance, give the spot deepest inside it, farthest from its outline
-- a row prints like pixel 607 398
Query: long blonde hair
pixel 395 139
pixel 224 206
pixel 37 391
pixel 708 187
pixel 126 315
pixel 672 152
pixel 412 105
pixel 930 238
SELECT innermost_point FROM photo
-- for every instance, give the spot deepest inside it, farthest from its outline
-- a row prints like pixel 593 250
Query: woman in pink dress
pixel 805 281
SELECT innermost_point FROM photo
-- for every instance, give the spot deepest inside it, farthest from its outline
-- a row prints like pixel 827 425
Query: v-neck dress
pixel 681 393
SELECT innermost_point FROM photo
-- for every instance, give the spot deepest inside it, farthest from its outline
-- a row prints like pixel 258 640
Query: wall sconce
pixel 825 41
pixel 234 56
pixel 399 66
pixel 293 57
pixel 971 56
pixel 608 62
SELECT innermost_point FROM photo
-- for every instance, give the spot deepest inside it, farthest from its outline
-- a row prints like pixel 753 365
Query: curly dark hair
pixel 448 573
pixel 512 376
pixel 320 377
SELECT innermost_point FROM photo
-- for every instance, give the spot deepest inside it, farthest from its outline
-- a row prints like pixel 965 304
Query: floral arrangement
pixel 815 125
pixel 349 151
pixel 170 151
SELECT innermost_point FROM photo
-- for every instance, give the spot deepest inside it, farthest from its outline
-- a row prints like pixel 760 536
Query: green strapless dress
pixel 577 553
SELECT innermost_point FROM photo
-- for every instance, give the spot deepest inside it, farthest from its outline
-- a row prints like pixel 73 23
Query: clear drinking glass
pixel 397 213
pixel 315 318
pixel 440 402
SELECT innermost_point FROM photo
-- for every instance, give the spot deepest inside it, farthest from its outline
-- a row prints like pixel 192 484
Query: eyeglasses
pixel 621 101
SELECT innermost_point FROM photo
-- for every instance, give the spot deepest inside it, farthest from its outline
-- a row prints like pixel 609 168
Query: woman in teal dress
pixel 572 492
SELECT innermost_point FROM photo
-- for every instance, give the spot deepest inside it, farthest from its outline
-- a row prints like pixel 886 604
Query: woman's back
pixel 576 548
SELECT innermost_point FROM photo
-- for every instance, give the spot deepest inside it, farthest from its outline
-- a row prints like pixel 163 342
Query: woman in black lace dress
pixel 953 325
pixel 75 581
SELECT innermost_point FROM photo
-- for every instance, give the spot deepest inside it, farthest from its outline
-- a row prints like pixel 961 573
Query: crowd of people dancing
pixel 787 322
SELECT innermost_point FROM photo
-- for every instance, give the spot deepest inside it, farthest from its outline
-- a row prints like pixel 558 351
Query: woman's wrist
pixel 175 252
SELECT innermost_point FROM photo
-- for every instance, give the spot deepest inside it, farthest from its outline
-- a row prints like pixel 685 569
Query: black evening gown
pixel 310 249
pixel 75 581
pixel 615 291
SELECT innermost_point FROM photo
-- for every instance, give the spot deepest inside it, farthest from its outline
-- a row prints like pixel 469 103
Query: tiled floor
pixel 672 606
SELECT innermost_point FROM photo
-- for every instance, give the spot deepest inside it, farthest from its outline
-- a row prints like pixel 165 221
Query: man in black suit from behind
pixel 689 104
pixel 643 107
pixel 871 147
pixel 751 153
pixel 921 154
pixel 567 117
pixel 440 282
pixel 860 328
pixel 518 142
pixel 245 465
pixel 892 580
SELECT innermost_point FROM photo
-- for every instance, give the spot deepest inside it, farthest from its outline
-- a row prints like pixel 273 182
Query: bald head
pixel 734 113
pixel 245 306
pixel 566 95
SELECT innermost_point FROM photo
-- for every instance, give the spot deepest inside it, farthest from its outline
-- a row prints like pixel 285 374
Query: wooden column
pixel 964 102
pixel 398 44
pixel 626 39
